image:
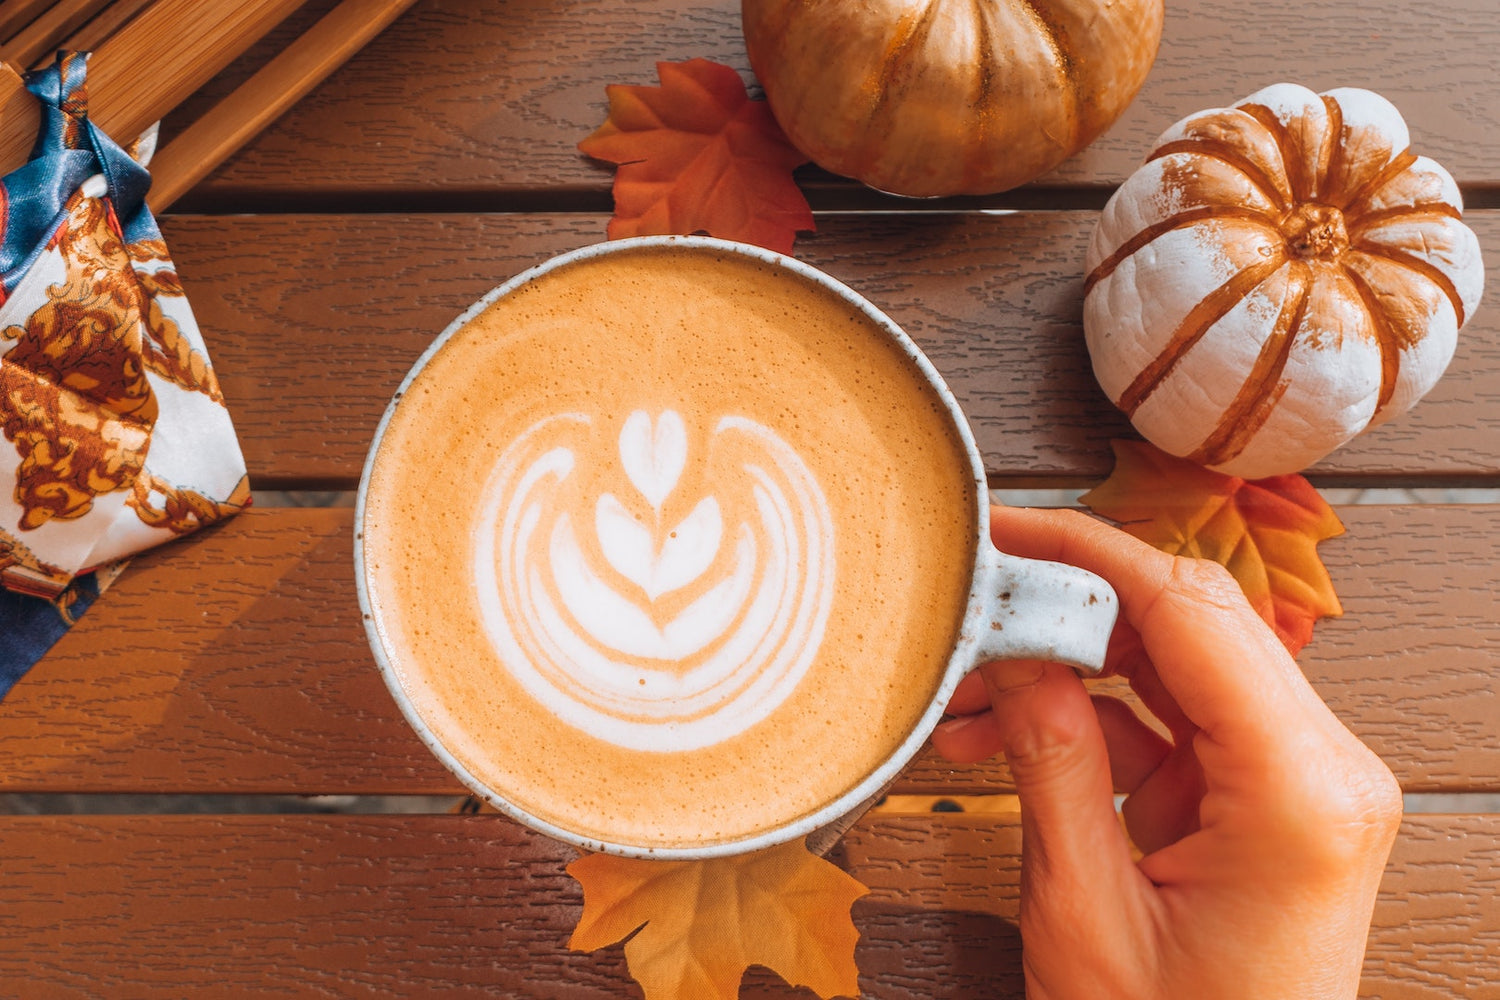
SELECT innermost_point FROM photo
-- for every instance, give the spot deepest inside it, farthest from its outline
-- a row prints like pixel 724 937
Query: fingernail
pixel 958 723
pixel 1010 675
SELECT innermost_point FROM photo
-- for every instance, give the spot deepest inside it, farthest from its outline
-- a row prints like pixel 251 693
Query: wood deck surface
pixel 316 319
pixel 441 160
pixel 475 104
pixel 375 906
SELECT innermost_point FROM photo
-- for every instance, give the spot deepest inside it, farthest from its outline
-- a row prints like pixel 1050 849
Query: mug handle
pixel 1021 609
pixel 1038 610
pixel 1026 609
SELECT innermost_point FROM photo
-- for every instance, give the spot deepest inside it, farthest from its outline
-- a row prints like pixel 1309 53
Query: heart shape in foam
pixel 686 552
pixel 654 453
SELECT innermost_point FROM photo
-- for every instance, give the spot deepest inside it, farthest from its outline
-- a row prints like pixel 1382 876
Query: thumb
pixel 1072 841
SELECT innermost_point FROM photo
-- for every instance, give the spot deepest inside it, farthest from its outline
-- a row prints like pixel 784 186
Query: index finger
pixel 1214 655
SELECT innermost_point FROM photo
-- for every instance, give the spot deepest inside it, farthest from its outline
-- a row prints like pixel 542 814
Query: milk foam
pixel 551 448
pixel 586 637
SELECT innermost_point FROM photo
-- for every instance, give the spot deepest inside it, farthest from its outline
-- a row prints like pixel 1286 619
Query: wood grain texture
pixel 234 661
pixel 441 906
pixel 104 24
pixel 278 85
pixel 16 14
pixel 402 117
pixel 312 322
pixel 147 68
pixel 42 37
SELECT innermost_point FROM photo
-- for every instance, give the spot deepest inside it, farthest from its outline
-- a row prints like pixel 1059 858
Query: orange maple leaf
pixel 701 924
pixel 1266 531
pixel 697 155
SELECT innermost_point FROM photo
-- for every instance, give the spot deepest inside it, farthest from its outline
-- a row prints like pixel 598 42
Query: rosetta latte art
pixel 640 613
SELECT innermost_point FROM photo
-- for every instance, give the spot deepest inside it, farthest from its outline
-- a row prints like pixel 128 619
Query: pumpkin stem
pixel 1315 231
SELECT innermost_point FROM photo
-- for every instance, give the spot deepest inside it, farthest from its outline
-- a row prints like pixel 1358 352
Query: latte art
pixel 667 546
pixel 650 631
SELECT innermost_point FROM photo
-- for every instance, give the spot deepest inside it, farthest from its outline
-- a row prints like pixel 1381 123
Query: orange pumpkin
pixel 940 97
pixel 1278 276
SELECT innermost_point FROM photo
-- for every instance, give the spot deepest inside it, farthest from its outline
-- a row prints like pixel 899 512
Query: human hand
pixel 1264 825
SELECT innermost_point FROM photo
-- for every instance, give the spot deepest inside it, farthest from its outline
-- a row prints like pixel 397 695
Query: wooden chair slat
pixel 360 136
pixel 436 904
pixel 312 322
pixel 234 661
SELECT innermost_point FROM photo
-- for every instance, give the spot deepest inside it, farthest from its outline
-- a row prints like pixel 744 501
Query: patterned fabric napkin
pixel 116 437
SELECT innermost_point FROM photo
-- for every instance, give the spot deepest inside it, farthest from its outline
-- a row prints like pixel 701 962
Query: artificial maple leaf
pixel 698 155
pixel 1266 531
pixel 703 923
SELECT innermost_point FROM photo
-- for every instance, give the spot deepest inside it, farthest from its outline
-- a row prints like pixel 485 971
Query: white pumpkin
pixel 1278 276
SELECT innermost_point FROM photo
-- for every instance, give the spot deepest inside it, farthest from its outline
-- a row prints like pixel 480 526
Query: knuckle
pixel 1199 586
pixel 1370 797
pixel 1075 518
pixel 1204 579
pixel 1351 815
pixel 1086 529
pixel 1050 749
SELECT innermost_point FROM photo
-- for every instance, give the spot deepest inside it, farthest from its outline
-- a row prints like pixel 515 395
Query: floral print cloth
pixel 116 437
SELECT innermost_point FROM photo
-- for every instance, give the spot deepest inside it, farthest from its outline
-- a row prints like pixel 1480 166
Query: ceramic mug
pixel 677 548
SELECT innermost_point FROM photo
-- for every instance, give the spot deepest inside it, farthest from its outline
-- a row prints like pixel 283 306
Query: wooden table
pixel 441 160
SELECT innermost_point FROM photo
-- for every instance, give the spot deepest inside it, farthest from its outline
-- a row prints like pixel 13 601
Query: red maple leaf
pixel 698 155
pixel 1265 531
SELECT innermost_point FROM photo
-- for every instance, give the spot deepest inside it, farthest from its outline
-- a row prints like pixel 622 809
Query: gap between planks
pixel 825 198
pixel 74 804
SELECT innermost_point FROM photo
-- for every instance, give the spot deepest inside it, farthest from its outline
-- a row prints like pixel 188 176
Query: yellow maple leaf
pixel 701 924
pixel 1265 531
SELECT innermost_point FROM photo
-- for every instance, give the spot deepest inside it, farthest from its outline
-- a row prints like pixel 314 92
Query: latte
pixel 668 546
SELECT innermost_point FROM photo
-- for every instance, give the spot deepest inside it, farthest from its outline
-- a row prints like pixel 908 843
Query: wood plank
pixel 313 321
pixel 372 906
pixel 275 87
pixel 104 24
pixel 16 14
pixel 42 37
pixel 231 662
pixel 234 662
pixel 464 100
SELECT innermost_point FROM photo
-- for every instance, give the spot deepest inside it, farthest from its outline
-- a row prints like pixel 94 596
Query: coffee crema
pixel 668 546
